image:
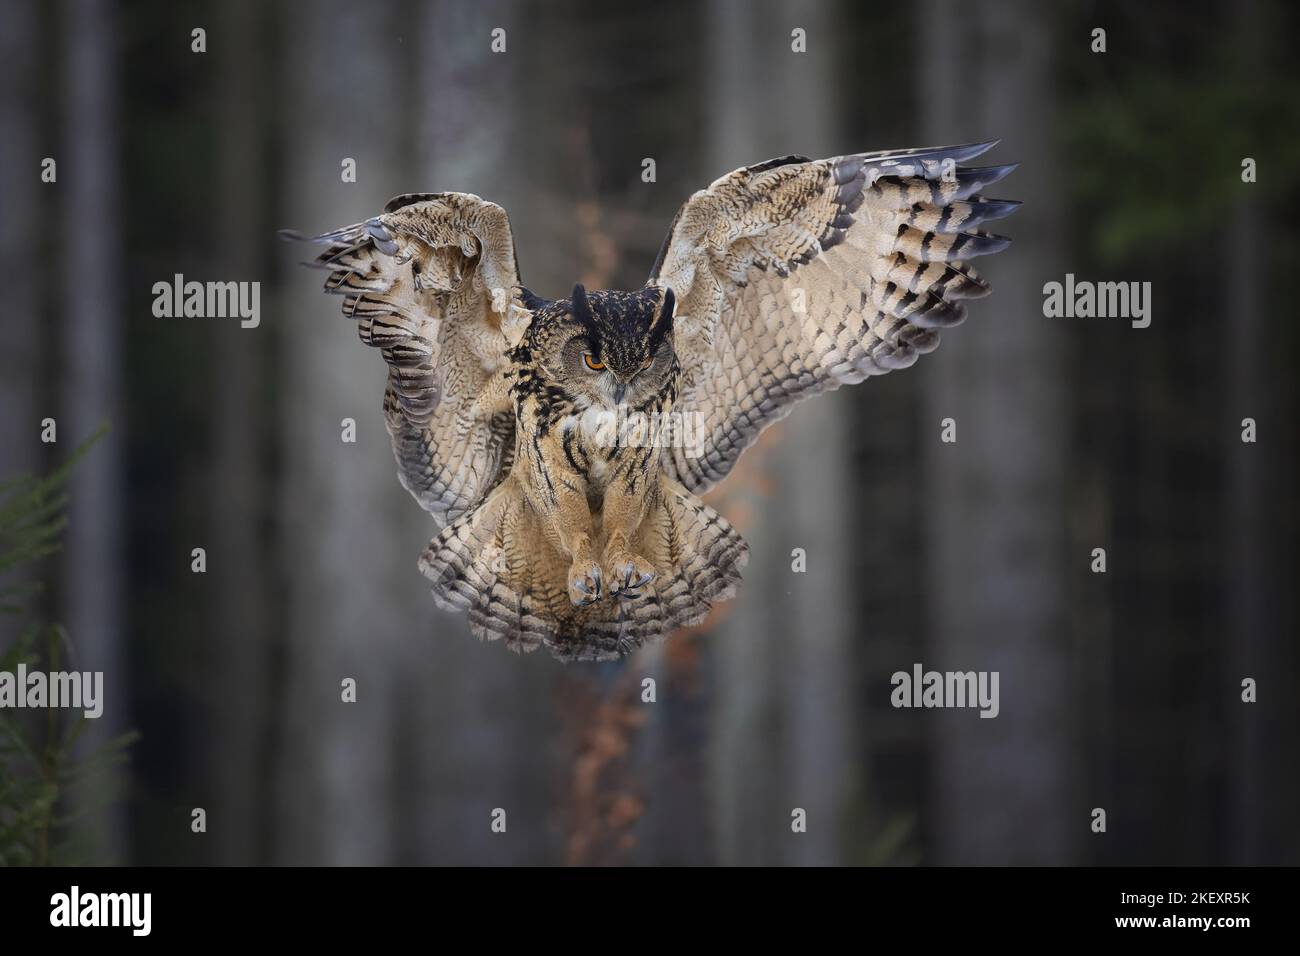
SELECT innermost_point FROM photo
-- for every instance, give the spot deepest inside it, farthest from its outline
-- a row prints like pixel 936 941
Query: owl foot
pixel 584 583
pixel 628 574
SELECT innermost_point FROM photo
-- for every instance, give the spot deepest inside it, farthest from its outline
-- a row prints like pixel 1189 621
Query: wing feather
pixel 795 276
pixel 433 284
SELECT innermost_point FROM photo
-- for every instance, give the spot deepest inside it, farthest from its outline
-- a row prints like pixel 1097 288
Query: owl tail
pixel 497 564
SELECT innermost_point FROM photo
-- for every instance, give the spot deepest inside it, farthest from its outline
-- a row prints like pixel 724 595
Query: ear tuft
pixel 581 307
pixel 667 304
pixel 662 323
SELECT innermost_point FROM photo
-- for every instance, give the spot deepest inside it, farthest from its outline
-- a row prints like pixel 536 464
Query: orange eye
pixel 592 363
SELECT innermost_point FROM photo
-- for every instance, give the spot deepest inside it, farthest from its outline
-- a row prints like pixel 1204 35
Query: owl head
pixel 618 346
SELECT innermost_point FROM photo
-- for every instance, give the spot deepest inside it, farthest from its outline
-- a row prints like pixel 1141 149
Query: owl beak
pixel 620 390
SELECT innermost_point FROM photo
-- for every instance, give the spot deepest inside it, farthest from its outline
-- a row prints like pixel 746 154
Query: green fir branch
pixel 40 772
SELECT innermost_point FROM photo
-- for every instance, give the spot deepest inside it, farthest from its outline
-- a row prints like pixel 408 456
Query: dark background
pixel 1118 690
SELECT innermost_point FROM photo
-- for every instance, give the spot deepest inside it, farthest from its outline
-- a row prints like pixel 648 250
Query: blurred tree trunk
pixel 747 818
pixel 996 498
pixel 496 701
pixel 347 534
pixel 20 359
pixel 784 649
pixel 813 481
pixel 1248 569
pixel 93 556
pixel 241 633
pixel 21 372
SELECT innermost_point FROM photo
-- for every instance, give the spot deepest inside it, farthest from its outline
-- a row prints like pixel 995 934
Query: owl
pixel 562 445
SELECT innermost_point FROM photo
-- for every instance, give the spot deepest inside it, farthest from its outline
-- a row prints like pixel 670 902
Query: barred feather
pixel 419 280
pixel 796 277
pixel 499 566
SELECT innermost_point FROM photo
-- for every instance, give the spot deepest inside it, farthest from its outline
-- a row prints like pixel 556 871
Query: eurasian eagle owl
pixel 561 445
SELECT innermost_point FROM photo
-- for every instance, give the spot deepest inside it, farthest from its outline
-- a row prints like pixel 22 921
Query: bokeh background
pixel 1118 690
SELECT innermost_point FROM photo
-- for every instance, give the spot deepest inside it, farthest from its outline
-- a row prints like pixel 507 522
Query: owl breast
pixel 596 443
pixel 605 445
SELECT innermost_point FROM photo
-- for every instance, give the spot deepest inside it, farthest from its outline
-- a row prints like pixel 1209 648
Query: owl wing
pixel 432 283
pixel 794 276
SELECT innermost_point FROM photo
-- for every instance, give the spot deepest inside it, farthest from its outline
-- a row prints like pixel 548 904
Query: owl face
pixel 618 348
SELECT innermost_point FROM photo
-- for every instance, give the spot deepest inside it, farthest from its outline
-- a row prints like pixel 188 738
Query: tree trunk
pixel 811 471
pixel 783 649
pixel 93 557
pixel 996 503
pixel 20 359
pixel 347 533
pixel 241 635
pixel 1248 570
pixel 496 701
pixel 746 810
pixel 21 372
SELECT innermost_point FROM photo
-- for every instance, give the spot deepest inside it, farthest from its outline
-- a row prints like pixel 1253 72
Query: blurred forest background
pixel 1118 690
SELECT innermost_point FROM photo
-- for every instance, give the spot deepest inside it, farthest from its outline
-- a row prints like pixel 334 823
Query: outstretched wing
pixel 794 276
pixel 432 283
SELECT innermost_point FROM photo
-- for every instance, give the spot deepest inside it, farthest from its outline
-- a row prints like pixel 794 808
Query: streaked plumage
pixel 779 281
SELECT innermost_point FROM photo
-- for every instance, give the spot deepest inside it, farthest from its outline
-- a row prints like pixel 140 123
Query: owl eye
pixel 592 363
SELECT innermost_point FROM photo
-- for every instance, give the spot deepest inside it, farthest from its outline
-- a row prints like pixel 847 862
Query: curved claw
pixel 629 575
pixel 584 585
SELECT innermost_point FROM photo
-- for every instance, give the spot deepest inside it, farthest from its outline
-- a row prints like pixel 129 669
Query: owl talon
pixel 584 584
pixel 630 573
